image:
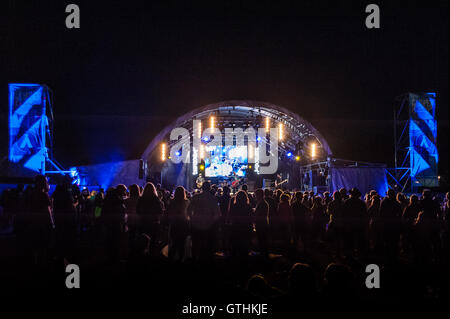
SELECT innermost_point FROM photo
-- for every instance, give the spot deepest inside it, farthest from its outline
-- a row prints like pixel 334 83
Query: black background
pixel 134 66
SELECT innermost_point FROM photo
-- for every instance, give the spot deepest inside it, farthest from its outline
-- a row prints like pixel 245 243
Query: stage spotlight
pixel 289 154
pixel 258 138
pixel 205 139
pixel 202 167
pixel 267 124
pixel 177 153
pixel 211 121
pixel 297 158
pixel 280 131
pixel 313 150
pixel 163 152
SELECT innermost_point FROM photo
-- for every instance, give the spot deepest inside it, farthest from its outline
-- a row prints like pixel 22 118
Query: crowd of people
pixel 143 223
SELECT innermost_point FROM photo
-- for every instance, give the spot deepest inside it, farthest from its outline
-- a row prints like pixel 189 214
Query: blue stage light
pixel 177 153
pixel 289 154
pixel 258 138
pixel 205 139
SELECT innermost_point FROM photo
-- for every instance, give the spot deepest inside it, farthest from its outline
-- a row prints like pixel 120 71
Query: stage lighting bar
pixel 200 129
pixel 212 121
pixel 280 131
pixel 313 150
pixel 267 124
pixel 163 152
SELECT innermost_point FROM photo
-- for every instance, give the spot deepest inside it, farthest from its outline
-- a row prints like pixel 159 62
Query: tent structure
pixel 293 150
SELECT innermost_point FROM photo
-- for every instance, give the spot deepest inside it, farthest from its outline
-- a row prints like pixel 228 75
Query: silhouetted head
pixel 241 198
pixel 354 192
pixel 302 279
pixel 206 186
pixel 337 195
pixel 299 196
pixel 414 199
pixel 376 200
pixel 400 197
pixel 135 191
pixel 244 187
pixel 426 193
pixel 317 201
pixel 149 191
pixel 258 286
pixel 343 192
pixel 391 193
pixel 180 194
pixel 337 277
pixel 121 190
pixel 285 198
pixel 226 190
pixel 259 194
pixel 279 193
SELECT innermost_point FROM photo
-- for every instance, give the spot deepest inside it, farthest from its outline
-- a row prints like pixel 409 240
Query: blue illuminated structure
pixel 422 140
pixel 416 154
pixel 28 125
pixel 30 133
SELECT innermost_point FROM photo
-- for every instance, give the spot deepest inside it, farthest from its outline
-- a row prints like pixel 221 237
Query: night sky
pixel 133 67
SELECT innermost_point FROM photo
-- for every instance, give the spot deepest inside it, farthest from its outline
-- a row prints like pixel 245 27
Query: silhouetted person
pixel 410 214
pixel 178 223
pixel 355 223
pixel 268 197
pixel 373 214
pixel 240 219
pixel 338 283
pixel 258 286
pixel 35 224
pixel 301 214
pixel 429 221
pixel 112 220
pixel 285 219
pixel 335 222
pixel 302 282
pixel 66 221
pixel 131 209
pixel 402 200
pixel 224 201
pixel 149 208
pixel 390 224
pixel 204 213
pixel 318 219
pixel 262 222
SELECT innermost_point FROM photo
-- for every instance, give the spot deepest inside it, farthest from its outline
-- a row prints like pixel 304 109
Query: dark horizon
pixel 130 70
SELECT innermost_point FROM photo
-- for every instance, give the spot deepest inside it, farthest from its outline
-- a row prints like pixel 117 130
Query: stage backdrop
pixel 364 178
pixel 110 174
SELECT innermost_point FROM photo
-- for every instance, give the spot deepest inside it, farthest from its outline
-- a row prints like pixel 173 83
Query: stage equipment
pixel 415 133
pixel 31 129
pixel 163 152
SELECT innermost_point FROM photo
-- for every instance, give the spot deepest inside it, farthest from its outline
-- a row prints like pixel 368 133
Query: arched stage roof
pixel 243 112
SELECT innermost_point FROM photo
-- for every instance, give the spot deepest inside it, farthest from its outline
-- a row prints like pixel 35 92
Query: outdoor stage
pixel 223 143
